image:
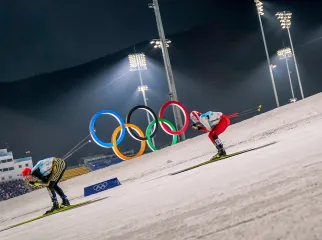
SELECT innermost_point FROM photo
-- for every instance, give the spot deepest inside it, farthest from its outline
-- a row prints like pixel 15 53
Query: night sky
pixel 62 62
pixel 50 35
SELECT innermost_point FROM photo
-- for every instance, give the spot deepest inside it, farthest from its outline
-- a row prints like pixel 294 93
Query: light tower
pixel 260 12
pixel 285 20
pixel 286 53
pixel 138 63
pixel 172 88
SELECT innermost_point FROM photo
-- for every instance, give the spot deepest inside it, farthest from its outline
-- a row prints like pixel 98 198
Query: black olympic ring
pixel 150 111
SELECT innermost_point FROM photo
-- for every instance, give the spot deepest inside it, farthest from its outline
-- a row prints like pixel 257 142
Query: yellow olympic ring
pixel 117 151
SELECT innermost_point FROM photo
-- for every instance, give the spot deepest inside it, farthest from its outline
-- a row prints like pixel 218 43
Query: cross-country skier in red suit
pixel 213 122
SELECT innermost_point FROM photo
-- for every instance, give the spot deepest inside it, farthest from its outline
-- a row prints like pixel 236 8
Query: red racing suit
pixel 215 123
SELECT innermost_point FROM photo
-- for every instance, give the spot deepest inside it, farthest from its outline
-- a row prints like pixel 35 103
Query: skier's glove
pixel 35 184
pixel 195 126
pixel 31 184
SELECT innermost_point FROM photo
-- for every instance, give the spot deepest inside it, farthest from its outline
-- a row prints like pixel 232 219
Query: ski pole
pixel 237 114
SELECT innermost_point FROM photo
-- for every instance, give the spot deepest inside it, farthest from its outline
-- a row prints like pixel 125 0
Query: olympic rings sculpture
pixel 136 132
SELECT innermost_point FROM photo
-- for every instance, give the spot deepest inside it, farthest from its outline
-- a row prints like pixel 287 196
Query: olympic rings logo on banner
pixel 100 187
pixel 136 132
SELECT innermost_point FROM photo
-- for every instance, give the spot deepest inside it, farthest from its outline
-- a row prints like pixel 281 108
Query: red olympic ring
pixel 186 116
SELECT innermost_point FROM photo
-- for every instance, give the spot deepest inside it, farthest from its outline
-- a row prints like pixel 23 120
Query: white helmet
pixel 195 116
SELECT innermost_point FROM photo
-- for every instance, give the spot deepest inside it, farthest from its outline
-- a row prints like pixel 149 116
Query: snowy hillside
pixel 270 193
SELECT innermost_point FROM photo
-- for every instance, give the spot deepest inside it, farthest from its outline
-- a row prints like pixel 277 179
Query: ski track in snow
pixel 271 193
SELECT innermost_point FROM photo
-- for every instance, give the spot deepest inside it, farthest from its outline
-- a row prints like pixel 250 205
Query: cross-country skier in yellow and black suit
pixel 48 173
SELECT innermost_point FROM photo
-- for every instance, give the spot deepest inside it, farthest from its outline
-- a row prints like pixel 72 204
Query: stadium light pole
pixel 286 53
pixel 260 12
pixel 172 88
pixel 138 63
pixel 285 20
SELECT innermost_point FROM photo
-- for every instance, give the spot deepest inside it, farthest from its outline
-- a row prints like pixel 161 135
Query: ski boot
pixel 54 207
pixel 65 203
pixel 221 153
pixel 220 148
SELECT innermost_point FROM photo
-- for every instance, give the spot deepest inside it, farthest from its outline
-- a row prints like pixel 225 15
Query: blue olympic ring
pixel 92 128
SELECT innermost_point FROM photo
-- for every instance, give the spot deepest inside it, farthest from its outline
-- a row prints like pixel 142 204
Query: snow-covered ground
pixel 271 193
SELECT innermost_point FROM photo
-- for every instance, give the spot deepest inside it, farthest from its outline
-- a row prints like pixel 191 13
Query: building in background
pixel 10 168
